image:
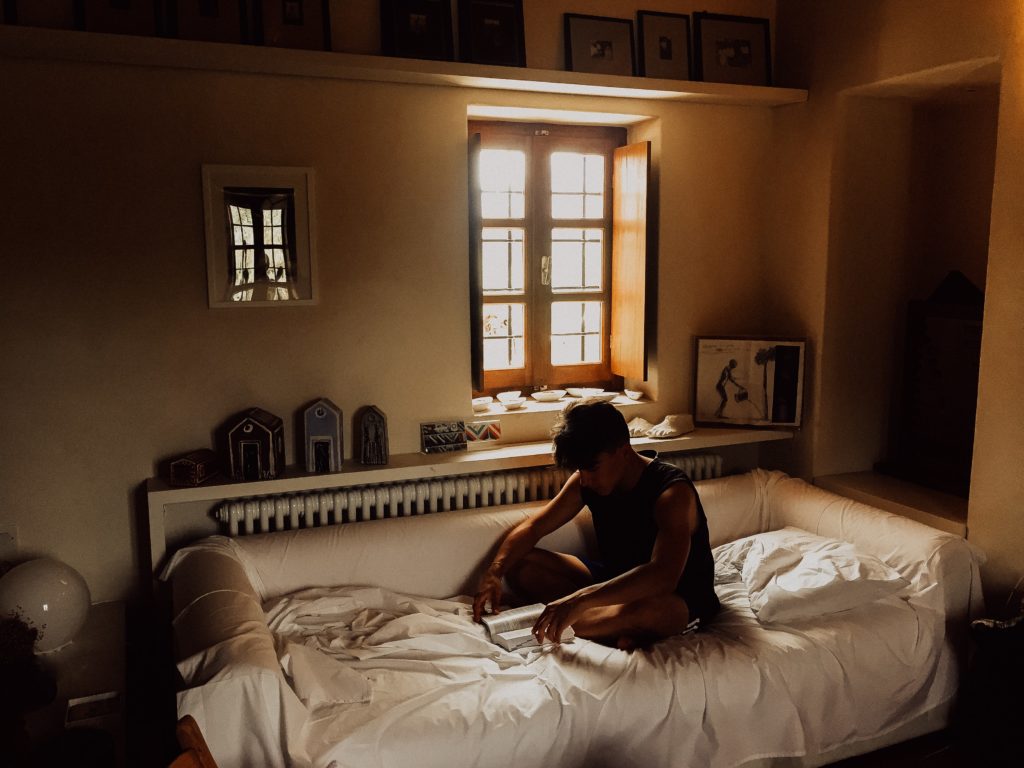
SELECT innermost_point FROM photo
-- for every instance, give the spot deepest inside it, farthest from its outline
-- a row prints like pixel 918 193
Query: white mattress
pixel 440 695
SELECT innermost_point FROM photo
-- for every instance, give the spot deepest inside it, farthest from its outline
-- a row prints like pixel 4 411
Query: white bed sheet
pixel 442 695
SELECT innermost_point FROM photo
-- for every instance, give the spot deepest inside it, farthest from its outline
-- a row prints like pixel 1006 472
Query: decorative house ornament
pixel 484 433
pixel 443 436
pixel 256 446
pixel 194 468
pixel 321 437
pixel 372 435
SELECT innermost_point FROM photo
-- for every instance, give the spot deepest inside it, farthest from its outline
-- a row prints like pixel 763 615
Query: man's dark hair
pixel 585 429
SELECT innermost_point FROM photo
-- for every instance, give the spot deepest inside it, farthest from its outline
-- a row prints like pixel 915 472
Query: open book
pixel 512 629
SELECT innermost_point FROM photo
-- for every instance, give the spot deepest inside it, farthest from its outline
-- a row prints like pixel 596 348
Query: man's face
pixel 605 474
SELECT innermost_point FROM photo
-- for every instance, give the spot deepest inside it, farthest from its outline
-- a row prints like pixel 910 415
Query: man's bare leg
pixel 632 625
pixel 543 576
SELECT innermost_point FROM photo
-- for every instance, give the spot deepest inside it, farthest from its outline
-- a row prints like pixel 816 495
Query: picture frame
pixel 732 49
pixel 417 29
pixel 664 42
pixel 211 21
pixel 51 14
pixel 260 236
pixel 123 17
pixel 492 32
pixel 599 44
pixel 292 24
pixel 751 381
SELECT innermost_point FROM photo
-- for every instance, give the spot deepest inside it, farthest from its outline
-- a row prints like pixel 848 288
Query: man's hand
pixel 488 592
pixel 558 615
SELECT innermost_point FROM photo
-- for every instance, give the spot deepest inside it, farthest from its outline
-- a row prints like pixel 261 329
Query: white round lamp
pixel 49 596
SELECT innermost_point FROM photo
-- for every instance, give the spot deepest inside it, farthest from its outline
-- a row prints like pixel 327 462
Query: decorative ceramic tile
pixel 443 436
pixel 483 431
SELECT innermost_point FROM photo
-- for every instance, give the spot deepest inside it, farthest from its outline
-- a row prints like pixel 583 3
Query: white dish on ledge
pixel 548 395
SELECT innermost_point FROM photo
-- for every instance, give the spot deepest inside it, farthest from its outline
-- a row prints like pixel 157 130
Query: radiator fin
pixel 415 497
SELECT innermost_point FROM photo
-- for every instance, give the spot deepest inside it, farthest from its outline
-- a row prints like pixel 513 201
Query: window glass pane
pixel 595 174
pixel 233 210
pixel 575 332
pixel 494 205
pixel 567 206
pixel 516 205
pixel 504 270
pixel 246 216
pixel 594 207
pixel 567 172
pixel 504 345
pixel 569 271
pixel 502 170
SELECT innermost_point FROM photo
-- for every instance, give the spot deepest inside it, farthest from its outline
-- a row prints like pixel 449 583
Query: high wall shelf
pixel 92 47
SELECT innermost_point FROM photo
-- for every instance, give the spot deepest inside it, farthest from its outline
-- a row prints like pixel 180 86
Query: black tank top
pixel 626 529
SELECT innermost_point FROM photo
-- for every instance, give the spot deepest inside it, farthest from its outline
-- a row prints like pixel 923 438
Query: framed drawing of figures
pixel 756 382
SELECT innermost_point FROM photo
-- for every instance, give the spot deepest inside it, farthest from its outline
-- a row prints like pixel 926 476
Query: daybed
pixel 350 646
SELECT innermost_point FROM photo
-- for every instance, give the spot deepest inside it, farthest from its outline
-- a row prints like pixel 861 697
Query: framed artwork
pixel 491 32
pixel 664 45
pixel 260 236
pixel 123 17
pixel 599 44
pixel 417 29
pixel 756 382
pixel 293 23
pixel 732 49
pixel 52 14
pixel 214 21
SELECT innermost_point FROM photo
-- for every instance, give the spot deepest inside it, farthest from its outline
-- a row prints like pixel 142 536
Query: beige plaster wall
pixel 830 48
pixel 112 360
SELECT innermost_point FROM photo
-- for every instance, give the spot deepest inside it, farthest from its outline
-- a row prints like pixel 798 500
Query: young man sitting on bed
pixel 655 576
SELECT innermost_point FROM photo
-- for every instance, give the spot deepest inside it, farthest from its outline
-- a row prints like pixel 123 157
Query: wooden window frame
pixel 539 141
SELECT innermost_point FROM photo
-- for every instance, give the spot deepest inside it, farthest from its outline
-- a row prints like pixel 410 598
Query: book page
pixel 513 618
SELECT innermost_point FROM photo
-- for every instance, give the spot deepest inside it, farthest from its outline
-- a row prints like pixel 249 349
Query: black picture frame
pixel 219 21
pixel 749 381
pixel 732 49
pixel 595 44
pixel 664 43
pixel 417 29
pixel 54 14
pixel 302 24
pixel 491 32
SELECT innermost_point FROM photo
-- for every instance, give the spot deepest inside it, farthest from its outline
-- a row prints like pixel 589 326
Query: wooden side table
pixel 91 667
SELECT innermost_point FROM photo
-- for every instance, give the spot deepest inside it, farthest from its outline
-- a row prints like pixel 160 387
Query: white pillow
pixel 792 575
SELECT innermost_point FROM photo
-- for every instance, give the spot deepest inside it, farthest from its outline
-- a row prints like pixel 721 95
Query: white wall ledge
pixel 411 466
pixel 94 47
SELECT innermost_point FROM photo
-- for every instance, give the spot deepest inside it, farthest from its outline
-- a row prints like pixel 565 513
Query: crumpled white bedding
pixel 414 682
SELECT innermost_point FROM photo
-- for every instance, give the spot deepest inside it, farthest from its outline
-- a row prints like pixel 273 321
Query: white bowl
pixel 481 404
pixel 513 404
pixel 548 395
pixel 634 394
pixel 504 397
pixel 582 391
pixel 603 396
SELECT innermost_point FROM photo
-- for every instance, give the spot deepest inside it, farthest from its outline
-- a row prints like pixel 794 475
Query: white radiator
pixel 416 497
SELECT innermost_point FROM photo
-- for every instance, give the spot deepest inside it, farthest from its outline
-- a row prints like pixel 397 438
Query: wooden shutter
pixel 634 263
pixel 476 309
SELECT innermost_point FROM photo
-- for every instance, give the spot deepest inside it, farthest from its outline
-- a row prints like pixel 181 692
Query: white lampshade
pixel 49 596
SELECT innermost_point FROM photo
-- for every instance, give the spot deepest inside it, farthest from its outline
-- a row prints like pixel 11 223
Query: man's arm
pixel 524 537
pixel 675 513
